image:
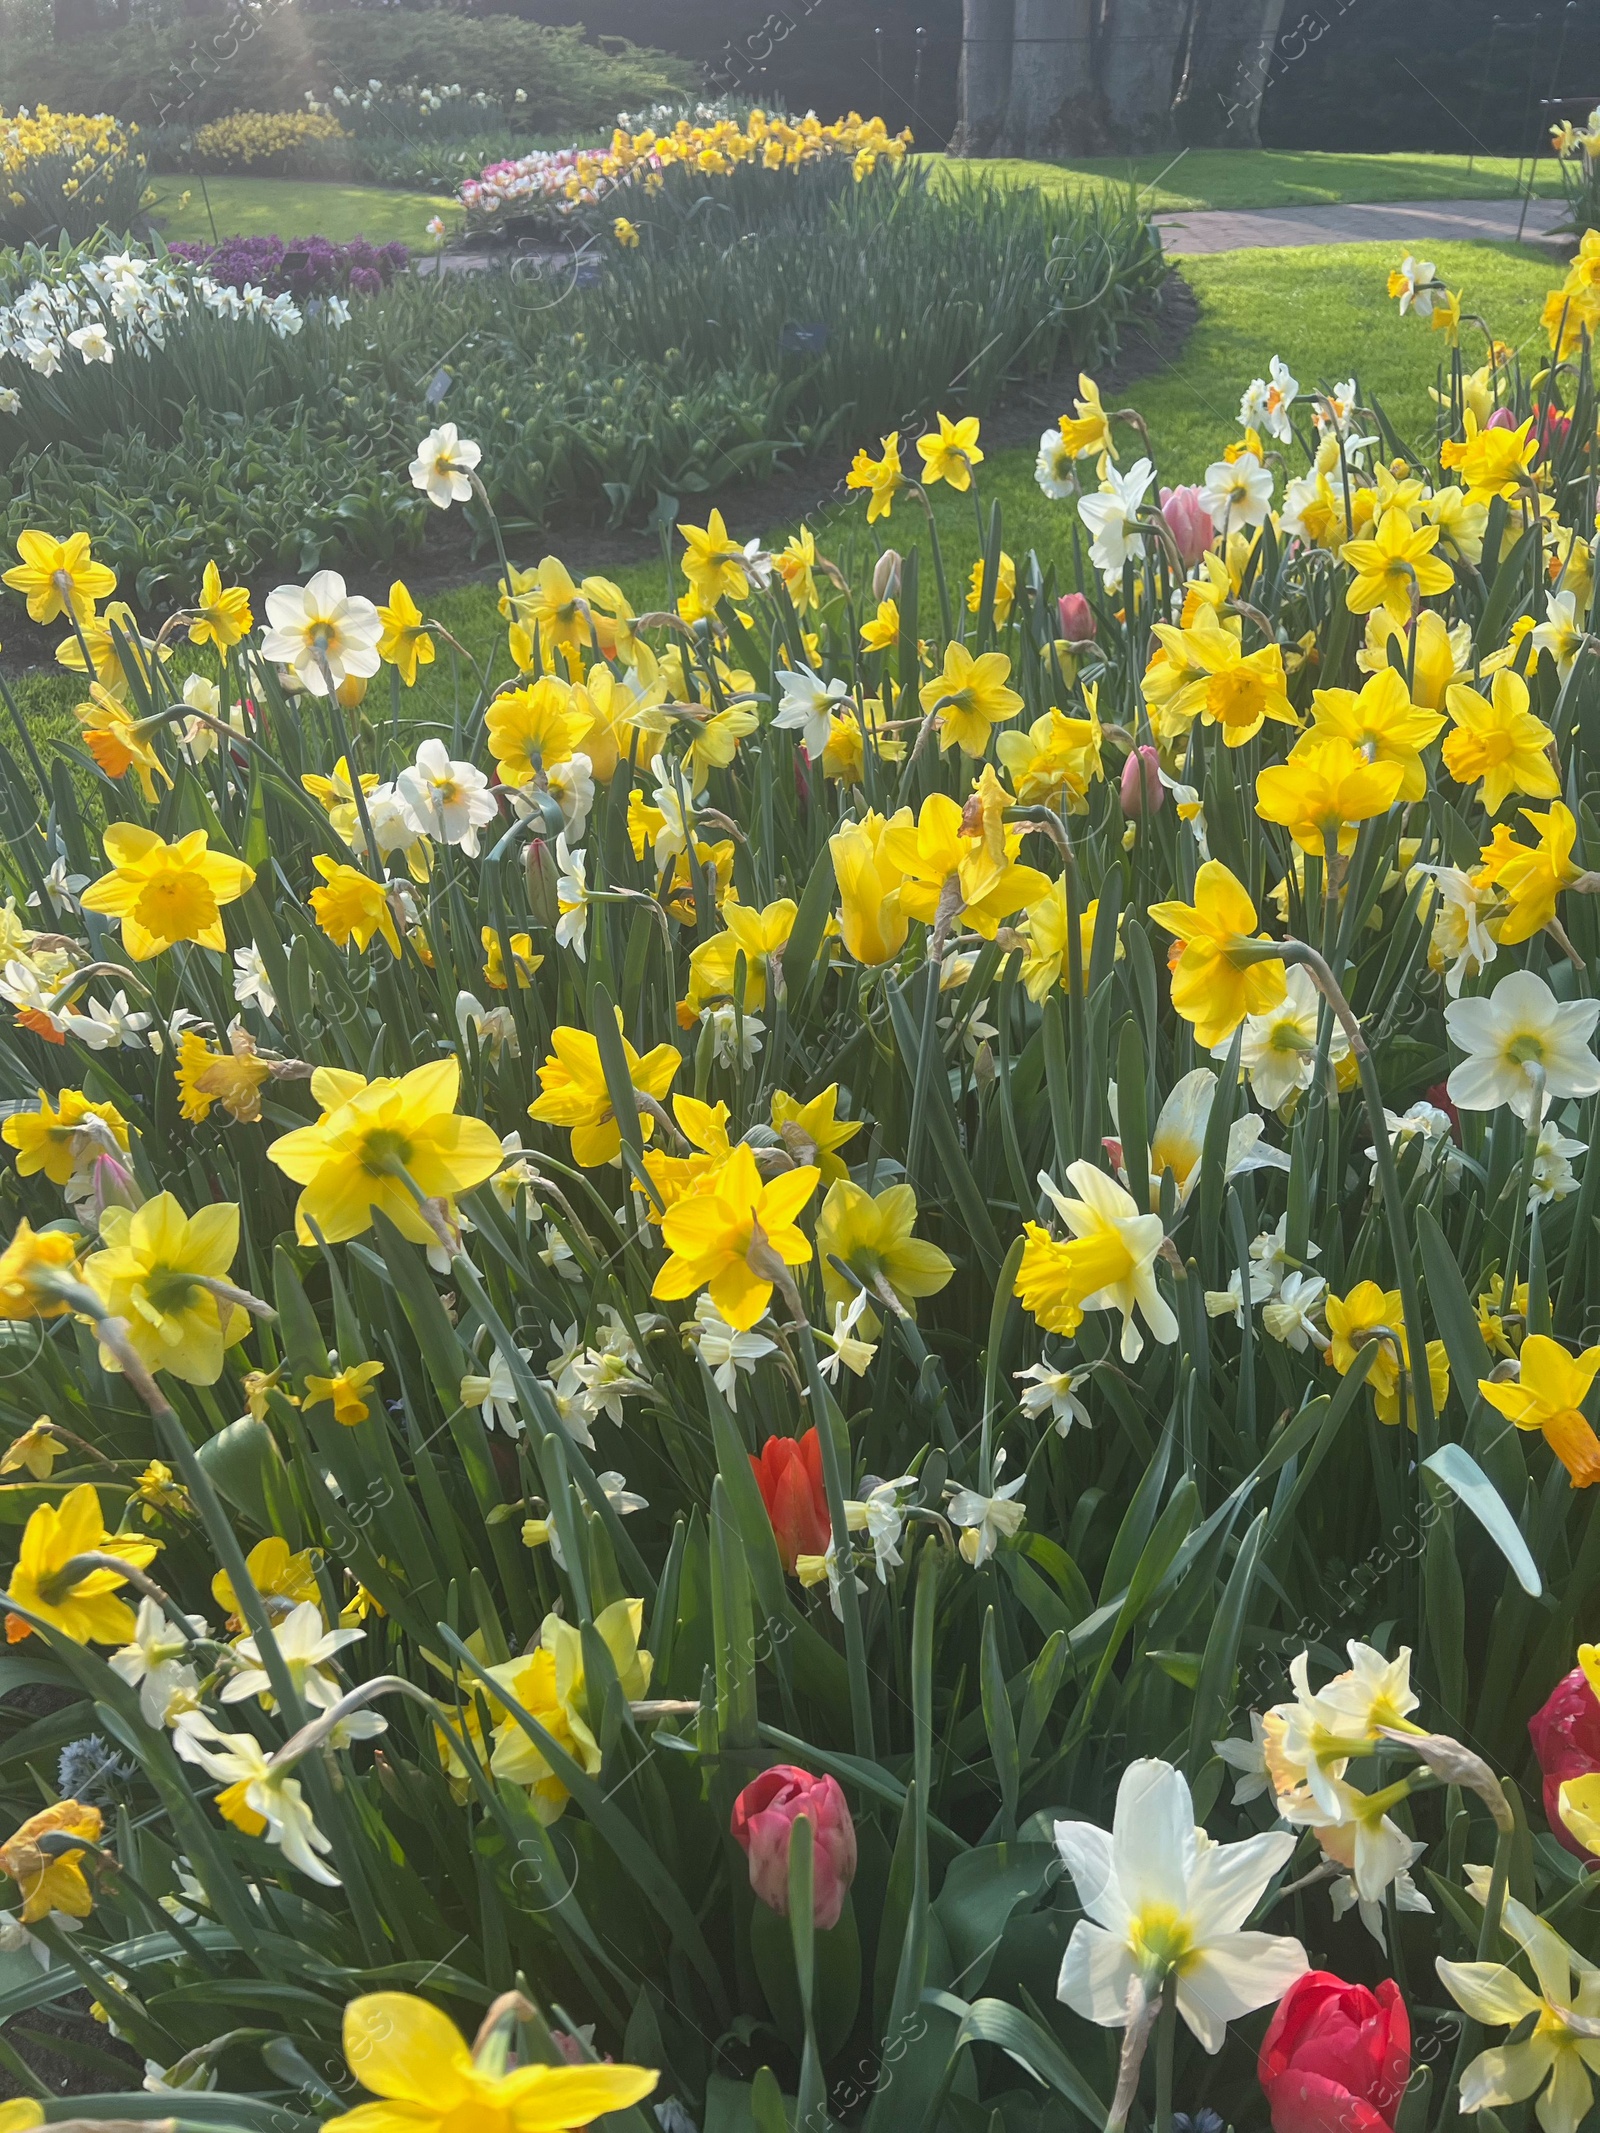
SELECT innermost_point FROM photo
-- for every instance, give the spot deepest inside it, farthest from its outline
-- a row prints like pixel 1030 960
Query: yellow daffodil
pixel 1531 877
pixel 160 1271
pixel 232 1078
pixel 1554 2050
pixel 813 1132
pixel 222 613
pixel 58 577
pixel 1108 1263
pixel 337 797
pixel 416 2062
pixel 952 454
pixel 971 873
pixel 705 1128
pixel 1005 589
pixel 34 1452
pixel 522 956
pixel 345 1392
pixel 755 935
pixel 533 729
pixel 1047 961
pixel 1053 762
pixel 1382 722
pixel 1324 789
pixel 1369 1312
pixel 796 564
pixel 85 1607
pixel 871 1234
pixel 405 644
pixel 730 1238
pixel 164 893
pixel 284 1578
pixel 881 477
pixel 352 906
pixel 1497 743
pixel 64 1137
pixel 1548 1395
pixel 1396 564
pixel 714 564
pixel 1490 461
pixel 1088 429
pixel 873 924
pixel 112 736
pixel 969 697
pixel 575 1094
pixel 352 1159
pixel 30 1266
pixel 50 1881
pixel 1212 986
pixel 882 633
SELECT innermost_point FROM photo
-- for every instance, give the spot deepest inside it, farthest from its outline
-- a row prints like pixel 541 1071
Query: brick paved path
pixel 1413 225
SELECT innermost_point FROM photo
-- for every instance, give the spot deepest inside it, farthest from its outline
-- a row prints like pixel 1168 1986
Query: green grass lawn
pixel 1263 177
pixel 1325 324
pixel 294 207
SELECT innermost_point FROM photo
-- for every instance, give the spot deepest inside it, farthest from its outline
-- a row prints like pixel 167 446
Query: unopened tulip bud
pixel 1142 789
pixel 350 691
pixel 1078 625
pixel 764 1816
pixel 114 1186
pixel 544 906
pixel 886 578
pixel 1189 521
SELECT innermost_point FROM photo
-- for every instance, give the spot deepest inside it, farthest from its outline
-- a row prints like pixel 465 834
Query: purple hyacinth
pixel 300 267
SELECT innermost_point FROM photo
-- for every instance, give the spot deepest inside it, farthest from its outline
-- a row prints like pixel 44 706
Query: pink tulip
pixel 763 1816
pixel 1141 770
pixel 1501 419
pixel 1077 619
pixel 1190 522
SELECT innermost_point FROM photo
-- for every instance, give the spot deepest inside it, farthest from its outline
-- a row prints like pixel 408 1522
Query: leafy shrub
pixel 300 267
pixel 189 72
pixel 264 141
pixel 64 175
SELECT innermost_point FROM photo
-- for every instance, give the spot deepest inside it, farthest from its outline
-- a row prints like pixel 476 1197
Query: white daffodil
pixel 881 1516
pixel 155 1665
pixel 1230 1302
pixel 254 1791
pixel 495 1027
pixel 1053 1393
pixel 444 799
pixel 104 1028
pixel 734 1037
pixel 1519 1027
pixel 1416 285
pixel 724 1351
pixel 1163 1902
pixel 1178 1141
pixel 1127 1243
pixel 1249 1759
pixel 1237 492
pixel 557 1253
pixel 572 788
pixel 320 625
pixel 1561 633
pixel 252 987
pixel 813 1569
pixel 1109 514
pixel 1314 1737
pixel 847 1350
pixel 92 343
pixel 1426 1123
pixel 1365 1840
pixel 1462 944
pixel 443 466
pixel 1557 2058
pixel 1270 1251
pixel 25 989
pixel 1267 402
pixel 62 887
pixel 494 1393
pixel 572 898
pixel 305 1645
pixel 987 1520
pixel 1288 1317
pixel 1344 1896
pixel 1553 1177
pixel 677 812
pixel 1278 1050
pixel 621 1498
pixel 806 707
pixel 1054 469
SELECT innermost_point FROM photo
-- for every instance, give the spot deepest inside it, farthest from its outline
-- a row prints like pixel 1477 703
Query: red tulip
pixel 1190 522
pixel 1142 768
pixel 1336 2058
pixel 765 1813
pixel 1078 625
pixel 789 1476
pixel 1566 1739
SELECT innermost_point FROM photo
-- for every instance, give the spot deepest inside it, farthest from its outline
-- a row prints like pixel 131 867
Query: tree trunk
pixel 1230 50
pixel 1053 108
pixel 985 77
pixel 1140 48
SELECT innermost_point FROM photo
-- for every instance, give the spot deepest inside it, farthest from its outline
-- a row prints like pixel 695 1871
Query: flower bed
pixel 62 174
pixel 851 1326
pixel 301 267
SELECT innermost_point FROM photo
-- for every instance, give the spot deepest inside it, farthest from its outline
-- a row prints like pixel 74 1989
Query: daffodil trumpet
pixel 56 1587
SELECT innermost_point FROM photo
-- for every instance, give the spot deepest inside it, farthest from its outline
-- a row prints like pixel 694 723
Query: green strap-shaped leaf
pixel 1459 1471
